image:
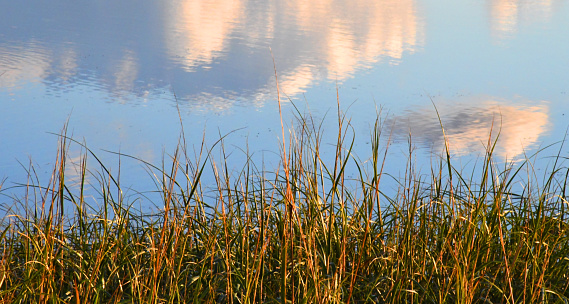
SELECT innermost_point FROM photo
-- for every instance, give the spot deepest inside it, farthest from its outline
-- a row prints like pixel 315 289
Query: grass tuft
pixel 303 233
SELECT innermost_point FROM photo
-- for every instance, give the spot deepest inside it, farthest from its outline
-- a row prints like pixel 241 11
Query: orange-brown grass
pixel 304 233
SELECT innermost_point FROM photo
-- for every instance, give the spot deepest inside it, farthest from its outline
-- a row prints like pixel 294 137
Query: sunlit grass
pixel 301 233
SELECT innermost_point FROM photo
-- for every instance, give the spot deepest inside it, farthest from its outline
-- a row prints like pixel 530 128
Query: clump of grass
pixel 303 233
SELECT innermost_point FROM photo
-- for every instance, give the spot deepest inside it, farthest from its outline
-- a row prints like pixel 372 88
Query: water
pixel 119 71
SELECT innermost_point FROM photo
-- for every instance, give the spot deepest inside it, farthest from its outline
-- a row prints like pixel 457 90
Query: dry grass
pixel 301 234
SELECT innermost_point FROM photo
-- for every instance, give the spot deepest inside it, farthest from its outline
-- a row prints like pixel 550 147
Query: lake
pixel 123 73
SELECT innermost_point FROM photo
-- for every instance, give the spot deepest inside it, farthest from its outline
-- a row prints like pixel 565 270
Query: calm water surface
pixel 119 70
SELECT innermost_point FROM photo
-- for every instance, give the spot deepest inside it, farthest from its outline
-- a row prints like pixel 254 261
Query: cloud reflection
pixel 126 73
pixel 359 33
pixel 214 49
pixel 23 64
pixel 469 122
pixel 311 40
pixel 197 31
pixel 506 16
pixel 29 63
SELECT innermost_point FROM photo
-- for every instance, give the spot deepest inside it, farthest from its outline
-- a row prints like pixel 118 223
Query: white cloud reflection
pixel 198 31
pixel 327 39
pixel 126 72
pixel 360 33
pixel 210 46
pixel 468 122
pixel 23 64
pixel 506 16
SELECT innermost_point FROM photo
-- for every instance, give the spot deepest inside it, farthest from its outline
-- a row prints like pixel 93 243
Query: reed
pixel 301 233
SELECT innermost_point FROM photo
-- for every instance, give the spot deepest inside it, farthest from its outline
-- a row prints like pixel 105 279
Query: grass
pixel 302 233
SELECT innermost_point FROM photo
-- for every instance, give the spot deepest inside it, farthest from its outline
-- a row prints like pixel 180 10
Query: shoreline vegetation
pixel 303 233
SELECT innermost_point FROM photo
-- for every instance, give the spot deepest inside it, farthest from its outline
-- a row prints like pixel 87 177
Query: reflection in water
pixel 214 50
pixel 23 64
pixel 506 15
pixel 311 40
pixel 66 65
pixel 126 73
pixel 216 54
pixel 60 68
pixel 359 33
pixel 468 125
pixel 199 31
pixel 295 82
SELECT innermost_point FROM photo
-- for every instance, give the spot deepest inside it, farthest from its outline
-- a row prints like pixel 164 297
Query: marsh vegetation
pixel 301 233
